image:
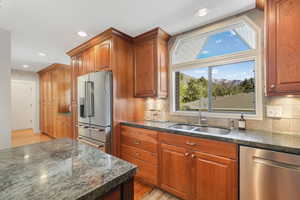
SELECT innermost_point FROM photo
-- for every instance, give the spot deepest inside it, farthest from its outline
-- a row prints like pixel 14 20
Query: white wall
pixel 5 91
pixel 19 75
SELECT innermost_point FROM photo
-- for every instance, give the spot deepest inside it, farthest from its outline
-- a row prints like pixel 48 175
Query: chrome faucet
pixel 230 124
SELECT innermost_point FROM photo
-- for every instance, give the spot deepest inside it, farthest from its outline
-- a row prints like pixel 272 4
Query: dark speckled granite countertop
pixel 258 139
pixel 61 169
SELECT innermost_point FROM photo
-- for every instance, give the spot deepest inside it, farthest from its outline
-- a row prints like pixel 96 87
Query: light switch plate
pixel 274 111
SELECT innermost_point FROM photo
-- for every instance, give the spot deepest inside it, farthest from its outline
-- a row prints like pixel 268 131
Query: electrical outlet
pixel 274 111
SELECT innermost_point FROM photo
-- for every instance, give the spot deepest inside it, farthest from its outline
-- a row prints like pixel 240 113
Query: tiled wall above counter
pixel 289 123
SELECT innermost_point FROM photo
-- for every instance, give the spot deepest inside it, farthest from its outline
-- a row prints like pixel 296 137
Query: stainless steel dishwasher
pixel 268 175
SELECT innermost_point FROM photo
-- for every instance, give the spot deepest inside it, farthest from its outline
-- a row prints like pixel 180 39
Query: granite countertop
pixel 60 169
pixel 258 139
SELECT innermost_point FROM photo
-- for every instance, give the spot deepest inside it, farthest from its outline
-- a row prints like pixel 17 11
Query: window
pixel 218 72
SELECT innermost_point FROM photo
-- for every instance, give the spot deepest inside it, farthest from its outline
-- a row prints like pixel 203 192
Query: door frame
pixel 34 102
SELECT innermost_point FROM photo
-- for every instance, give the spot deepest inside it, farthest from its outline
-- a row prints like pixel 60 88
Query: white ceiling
pixel 51 26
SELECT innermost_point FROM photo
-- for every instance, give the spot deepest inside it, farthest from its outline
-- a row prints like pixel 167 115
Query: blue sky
pixel 220 44
pixel 223 43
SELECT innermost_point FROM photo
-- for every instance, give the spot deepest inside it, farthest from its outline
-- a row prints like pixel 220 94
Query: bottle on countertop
pixel 242 122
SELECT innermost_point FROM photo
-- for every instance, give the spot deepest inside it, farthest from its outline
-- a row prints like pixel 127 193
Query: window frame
pixel 255 55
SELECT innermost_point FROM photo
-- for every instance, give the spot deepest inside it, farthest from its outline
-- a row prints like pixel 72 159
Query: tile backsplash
pixel 289 123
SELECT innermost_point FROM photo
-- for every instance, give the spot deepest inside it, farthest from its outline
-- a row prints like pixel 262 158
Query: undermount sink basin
pixel 200 129
pixel 213 130
pixel 185 127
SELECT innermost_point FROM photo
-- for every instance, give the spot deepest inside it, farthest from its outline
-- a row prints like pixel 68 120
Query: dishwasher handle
pixel 276 164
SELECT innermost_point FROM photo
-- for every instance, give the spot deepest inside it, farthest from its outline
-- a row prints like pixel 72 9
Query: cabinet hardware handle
pixel 193 156
pixel 191 143
pixel 137 154
pixel 136 142
pixel 272 86
pixel 186 154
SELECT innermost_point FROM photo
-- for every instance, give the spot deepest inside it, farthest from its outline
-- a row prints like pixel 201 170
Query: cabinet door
pixel 102 55
pixel 215 178
pixel 175 165
pixel 145 69
pixel 283 62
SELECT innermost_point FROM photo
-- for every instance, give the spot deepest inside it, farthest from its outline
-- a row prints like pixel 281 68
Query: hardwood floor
pixel 25 137
pixel 144 192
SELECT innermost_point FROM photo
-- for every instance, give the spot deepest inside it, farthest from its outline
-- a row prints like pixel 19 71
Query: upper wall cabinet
pixel 283 49
pixel 151 64
pixel 102 55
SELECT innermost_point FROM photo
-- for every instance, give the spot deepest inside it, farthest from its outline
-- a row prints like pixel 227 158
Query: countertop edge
pixel 249 143
pixel 104 189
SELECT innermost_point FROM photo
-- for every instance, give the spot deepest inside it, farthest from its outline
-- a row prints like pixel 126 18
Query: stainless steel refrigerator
pixel 94 98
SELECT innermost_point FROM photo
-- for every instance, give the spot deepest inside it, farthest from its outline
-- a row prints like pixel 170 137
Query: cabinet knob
pixel 186 154
pixel 137 154
pixel 136 142
pixel 272 86
pixel 191 143
pixel 193 156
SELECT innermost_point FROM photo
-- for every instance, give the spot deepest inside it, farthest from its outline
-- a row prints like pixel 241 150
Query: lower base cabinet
pixel 214 178
pixel 189 168
pixel 175 170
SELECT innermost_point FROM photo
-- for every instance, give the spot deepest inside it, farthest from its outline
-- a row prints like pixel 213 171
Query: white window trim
pixel 222 60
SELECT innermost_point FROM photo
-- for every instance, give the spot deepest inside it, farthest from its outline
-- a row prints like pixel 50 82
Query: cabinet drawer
pixel 139 138
pixel 146 172
pixel 148 157
pixel 218 148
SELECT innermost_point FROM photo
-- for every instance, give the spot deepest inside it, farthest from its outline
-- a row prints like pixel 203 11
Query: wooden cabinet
pixel 175 166
pixel 140 147
pixel 46 119
pixel 283 47
pixel 151 64
pixel 205 169
pixel 55 98
pixel 187 167
pixel 102 55
pixel 215 178
pixel 63 126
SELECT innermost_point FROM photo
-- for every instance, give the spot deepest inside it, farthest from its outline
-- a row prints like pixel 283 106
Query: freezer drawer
pixel 268 175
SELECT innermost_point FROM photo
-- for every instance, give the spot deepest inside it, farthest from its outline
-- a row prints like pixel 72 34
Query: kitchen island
pixel 63 169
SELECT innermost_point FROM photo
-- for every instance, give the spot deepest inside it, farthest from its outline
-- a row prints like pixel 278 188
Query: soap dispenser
pixel 242 122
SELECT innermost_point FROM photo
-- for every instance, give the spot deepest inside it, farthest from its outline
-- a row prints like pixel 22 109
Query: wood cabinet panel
pixel 140 154
pixel 145 69
pixel 219 148
pixel 103 55
pixel 55 95
pixel 151 64
pixel 146 172
pixel 175 170
pixel 139 138
pixel 283 47
pixel 215 177
pixel 163 65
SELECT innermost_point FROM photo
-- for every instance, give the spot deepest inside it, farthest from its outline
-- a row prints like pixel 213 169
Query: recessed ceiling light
pixel 42 54
pixel 25 66
pixel 82 34
pixel 202 12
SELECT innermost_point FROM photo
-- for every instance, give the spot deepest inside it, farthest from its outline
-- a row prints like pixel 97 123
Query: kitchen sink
pixel 200 129
pixel 185 127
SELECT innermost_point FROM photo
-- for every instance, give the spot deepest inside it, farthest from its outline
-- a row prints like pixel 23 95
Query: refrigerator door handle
pixel 86 96
pixel 90 97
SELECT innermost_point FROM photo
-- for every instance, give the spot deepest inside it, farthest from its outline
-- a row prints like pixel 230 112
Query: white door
pixel 23 101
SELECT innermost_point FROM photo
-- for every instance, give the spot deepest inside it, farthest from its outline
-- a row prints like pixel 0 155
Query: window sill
pixel 217 115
